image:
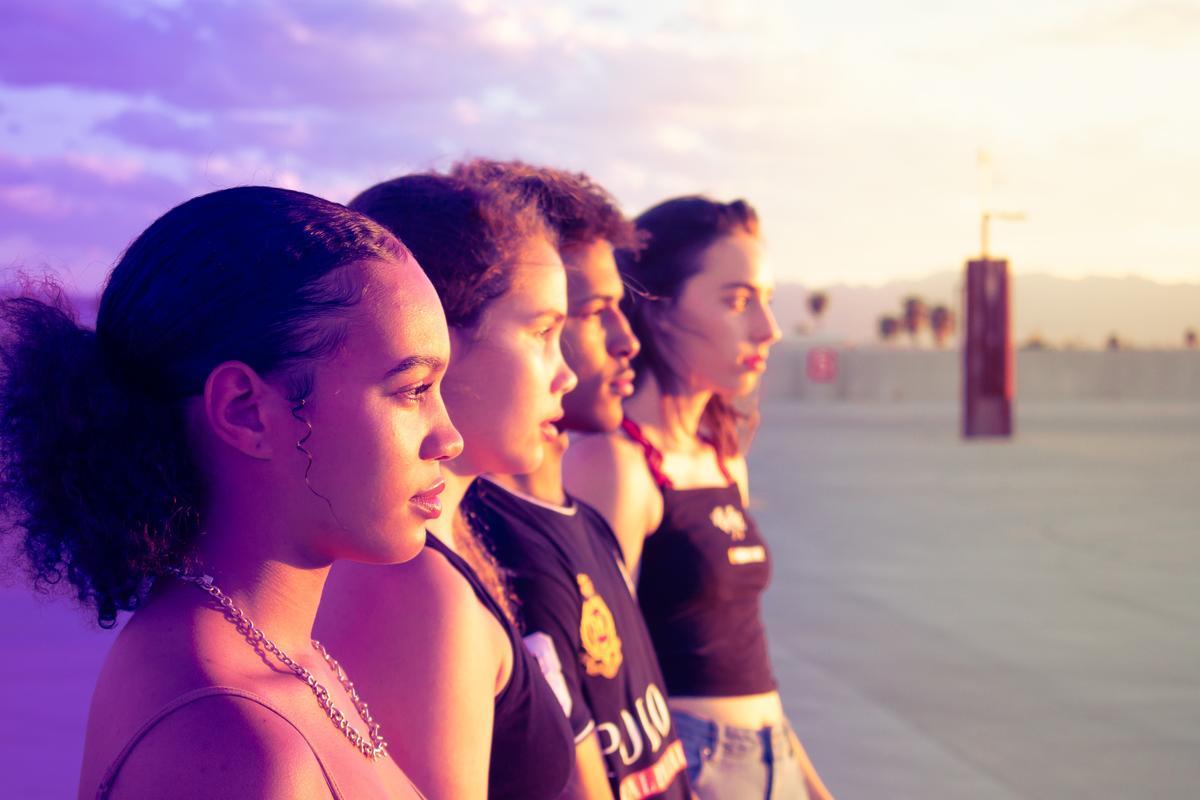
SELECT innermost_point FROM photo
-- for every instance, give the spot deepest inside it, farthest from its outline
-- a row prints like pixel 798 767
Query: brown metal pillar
pixel 988 373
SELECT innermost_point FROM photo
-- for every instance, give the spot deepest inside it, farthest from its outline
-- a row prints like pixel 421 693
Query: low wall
pixel 878 375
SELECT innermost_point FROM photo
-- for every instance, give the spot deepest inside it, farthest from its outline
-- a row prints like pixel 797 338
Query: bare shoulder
pixel 427 582
pixel 607 463
pixel 430 659
pixel 740 474
pixel 221 746
pixel 609 472
pixel 377 619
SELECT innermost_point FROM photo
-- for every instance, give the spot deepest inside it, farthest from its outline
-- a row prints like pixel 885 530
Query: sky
pixel 868 133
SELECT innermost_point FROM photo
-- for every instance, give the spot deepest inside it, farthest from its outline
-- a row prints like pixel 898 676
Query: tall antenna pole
pixel 986 215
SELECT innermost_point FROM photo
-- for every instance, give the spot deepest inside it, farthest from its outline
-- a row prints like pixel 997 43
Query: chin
pixel 746 384
pixel 598 420
pixel 395 542
pixel 407 545
pixel 524 462
pixel 608 419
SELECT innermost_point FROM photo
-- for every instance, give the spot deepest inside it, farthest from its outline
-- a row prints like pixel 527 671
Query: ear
pixel 239 407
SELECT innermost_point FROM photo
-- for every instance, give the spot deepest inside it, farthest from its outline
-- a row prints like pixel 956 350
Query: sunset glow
pixel 856 128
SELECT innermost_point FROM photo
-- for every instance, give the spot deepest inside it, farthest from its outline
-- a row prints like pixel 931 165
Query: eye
pixel 738 302
pixel 413 394
pixel 591 312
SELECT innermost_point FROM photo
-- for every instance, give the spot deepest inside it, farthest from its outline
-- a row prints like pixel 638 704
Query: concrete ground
pixel 989 620
pixel 984 621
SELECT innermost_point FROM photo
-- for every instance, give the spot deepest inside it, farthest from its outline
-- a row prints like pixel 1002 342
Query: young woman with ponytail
pixel 673 485
pixel 259 398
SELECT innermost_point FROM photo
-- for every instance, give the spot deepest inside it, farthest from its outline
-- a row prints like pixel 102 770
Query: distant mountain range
pixel 1062 312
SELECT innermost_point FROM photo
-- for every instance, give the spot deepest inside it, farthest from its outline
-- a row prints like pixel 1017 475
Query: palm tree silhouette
pixel 889 326
pixel 915 316
pixel 817 303
pixel 941 324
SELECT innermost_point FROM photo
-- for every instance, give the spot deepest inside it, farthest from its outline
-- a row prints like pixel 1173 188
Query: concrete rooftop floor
pixel 993 620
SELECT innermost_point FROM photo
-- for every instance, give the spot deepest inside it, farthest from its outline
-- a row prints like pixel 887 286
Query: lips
pixel 622 385
pixel 427 503
pixel 549 427
pixel 754 363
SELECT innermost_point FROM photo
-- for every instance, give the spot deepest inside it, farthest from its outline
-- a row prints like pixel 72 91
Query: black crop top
pixel 533 752
pixel 703 574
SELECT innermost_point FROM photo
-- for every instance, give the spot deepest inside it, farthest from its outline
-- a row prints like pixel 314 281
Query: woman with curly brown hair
pixel 259 398
pixel 433 641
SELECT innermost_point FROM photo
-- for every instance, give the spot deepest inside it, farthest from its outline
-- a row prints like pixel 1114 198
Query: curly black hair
pixel 95 472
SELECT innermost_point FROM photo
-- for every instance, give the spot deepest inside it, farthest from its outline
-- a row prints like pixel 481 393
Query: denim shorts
pixel 728 763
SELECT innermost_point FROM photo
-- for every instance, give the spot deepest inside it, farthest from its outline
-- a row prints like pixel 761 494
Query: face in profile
pixel 721 326
pixel 379 428
pixel 507 380
pixel 597 341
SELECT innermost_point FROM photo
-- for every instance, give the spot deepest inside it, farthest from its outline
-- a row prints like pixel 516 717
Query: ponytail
pixel 94 474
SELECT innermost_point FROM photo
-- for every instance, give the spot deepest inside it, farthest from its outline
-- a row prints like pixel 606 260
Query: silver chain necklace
pixel 374 747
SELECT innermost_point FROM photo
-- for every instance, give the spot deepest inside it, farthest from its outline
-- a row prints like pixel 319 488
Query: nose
pixel 564 378
pixel 443 442
pixel 622 342
pixel 766 329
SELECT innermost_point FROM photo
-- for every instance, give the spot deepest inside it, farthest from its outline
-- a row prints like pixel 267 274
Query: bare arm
pixel 610 473
pixel 589 779
pixel 428 658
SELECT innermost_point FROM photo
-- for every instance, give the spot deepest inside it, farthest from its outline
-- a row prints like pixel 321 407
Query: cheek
pixel 491 398
pixel 585 355
pixel 712 345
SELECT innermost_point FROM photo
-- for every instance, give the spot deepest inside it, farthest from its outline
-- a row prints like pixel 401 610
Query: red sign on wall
pixel 822 365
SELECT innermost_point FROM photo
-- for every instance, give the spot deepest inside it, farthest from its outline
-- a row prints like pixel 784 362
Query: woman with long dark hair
pixel 433 641
pixel 673 484
pixel 259 398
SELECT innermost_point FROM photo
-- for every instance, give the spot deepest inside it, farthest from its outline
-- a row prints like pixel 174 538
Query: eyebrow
pixel 748 287
pixel 555 316
pixel 591 298
pixel 412 362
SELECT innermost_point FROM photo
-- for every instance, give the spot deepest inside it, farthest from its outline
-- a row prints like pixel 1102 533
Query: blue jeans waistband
pixel 767 744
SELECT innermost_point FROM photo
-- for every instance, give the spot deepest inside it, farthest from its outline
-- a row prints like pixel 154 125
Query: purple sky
pixel 855 129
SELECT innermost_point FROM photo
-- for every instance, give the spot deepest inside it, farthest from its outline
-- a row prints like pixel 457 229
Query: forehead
pixel 592 271
pixel 400 313
pixel 737 258
pixel 538 285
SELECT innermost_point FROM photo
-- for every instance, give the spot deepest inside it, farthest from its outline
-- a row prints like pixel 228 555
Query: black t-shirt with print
pixel 584 627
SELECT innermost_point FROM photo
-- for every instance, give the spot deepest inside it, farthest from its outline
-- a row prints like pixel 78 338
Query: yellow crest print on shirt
pixel 598 632
pixel 730 520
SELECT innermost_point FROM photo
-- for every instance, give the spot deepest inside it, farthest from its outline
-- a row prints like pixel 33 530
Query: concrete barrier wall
pixel 878 375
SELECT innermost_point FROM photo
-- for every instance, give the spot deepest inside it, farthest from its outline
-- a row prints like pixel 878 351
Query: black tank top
pixel 533 752
pixel 703 574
